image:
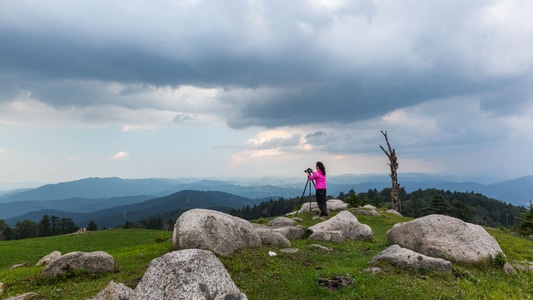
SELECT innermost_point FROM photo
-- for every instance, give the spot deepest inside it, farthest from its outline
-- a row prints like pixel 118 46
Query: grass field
pixel 261 276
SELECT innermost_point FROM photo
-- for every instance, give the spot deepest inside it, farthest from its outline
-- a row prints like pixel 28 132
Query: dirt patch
pixel 335 282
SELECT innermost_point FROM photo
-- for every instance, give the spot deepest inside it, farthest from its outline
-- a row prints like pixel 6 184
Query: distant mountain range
pixel 169 206
pixel 92 198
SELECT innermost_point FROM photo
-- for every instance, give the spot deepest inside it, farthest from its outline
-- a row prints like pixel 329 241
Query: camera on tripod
pixel 308 171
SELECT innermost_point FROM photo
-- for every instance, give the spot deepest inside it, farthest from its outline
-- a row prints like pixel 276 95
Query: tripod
pixel 302 198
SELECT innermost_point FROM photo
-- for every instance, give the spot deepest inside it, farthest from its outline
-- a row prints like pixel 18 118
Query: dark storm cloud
pixel 321 70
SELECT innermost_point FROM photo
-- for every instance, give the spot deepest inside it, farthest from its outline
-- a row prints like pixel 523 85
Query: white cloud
pixel 120 155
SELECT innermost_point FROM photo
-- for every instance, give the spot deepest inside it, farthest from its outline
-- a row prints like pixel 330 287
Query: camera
pixel 309 171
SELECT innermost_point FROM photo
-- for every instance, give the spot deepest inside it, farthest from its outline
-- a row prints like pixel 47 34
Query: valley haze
pixel 108 198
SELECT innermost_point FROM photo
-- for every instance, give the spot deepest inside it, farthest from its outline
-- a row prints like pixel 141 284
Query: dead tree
pixel 393 163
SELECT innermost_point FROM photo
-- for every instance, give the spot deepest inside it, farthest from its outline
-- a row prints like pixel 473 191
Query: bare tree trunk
pixel 393 163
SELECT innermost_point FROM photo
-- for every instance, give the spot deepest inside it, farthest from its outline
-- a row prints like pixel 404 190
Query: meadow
pixel 262 276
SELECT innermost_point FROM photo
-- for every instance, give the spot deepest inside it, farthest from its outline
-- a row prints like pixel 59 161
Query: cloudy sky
pixel 251 88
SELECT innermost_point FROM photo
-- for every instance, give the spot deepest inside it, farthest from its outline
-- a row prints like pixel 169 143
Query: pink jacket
pixel 320 180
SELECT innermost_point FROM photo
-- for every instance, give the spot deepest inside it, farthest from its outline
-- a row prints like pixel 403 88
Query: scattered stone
pixel 16 266
pixel 332 204
pixel 446 237
pixel 273 238
pixel 392 211
pixel 281 221
pixel 1 288
pixel 336 236
pixel 81 231
pixel 336 205
pixel 49 258
pixel 407 259
pixel 346 223
pixel 187 274
pixel 290 250
pixel 92 262
pixel 214 231
pixel 114 291
pixel 320 247
pixel 508 269
pixel 25 296
pixel 292 232
pixel 373 270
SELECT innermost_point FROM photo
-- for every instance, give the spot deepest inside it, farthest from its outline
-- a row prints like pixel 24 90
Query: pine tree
pixel 92 226
pixel 525 226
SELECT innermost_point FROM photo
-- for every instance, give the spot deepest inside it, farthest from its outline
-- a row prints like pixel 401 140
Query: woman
pixel 320 185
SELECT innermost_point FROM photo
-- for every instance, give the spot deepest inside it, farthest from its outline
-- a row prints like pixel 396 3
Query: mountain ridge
pixel 103 193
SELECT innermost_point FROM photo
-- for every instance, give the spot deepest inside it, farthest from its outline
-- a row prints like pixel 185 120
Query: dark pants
pixel 321 201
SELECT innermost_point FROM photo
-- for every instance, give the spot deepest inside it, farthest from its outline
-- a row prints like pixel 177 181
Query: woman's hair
pixel 320 165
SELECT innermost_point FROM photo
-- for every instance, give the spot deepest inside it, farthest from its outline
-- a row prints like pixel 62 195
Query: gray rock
pixel 336 205
pixel 320 247
pixel 369 207
pixel 214 231
pixel 330 236
pixel 187 274
pixel 49 258
pixel 25 296
pixel 281 221
pixel 446 237
pixel 291 232
pixel 273 238
pixel 372 270
pixel 508 269
pixel 290 250
pixel 346 223
pixel 332 204
pixel 407 259
pixel 114 291
pixel 392 211
pixel 92 262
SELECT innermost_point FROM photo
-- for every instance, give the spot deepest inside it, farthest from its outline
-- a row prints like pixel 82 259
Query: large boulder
pixel 115 291
pixel 214 231
pixel 91 262
pixel 345 223
pixel 408 259
pixel 446 237
pixel 332 204
pixel 49 258
pixel 279 236
pixel 281 221
pixel 187 274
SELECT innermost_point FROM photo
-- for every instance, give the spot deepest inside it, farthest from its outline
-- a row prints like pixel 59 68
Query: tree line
pixel 48 226
pixel 467 206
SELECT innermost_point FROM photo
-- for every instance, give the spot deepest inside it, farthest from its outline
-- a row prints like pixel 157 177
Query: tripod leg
pixel 302 198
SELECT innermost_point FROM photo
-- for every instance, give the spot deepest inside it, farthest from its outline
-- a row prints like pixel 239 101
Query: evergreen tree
pixel 5 230
pixel 68 226
pixel 26 229
pixel 461 211
pixel 525 226
pixel 45 227
pixel 92 226
pixel 439 205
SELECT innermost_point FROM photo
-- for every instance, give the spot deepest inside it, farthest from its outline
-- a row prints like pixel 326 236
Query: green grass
pixel 261 276
pixel 132 249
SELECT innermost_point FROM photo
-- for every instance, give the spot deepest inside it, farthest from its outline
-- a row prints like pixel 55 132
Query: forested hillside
pixel 161 213
pixel 470 207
